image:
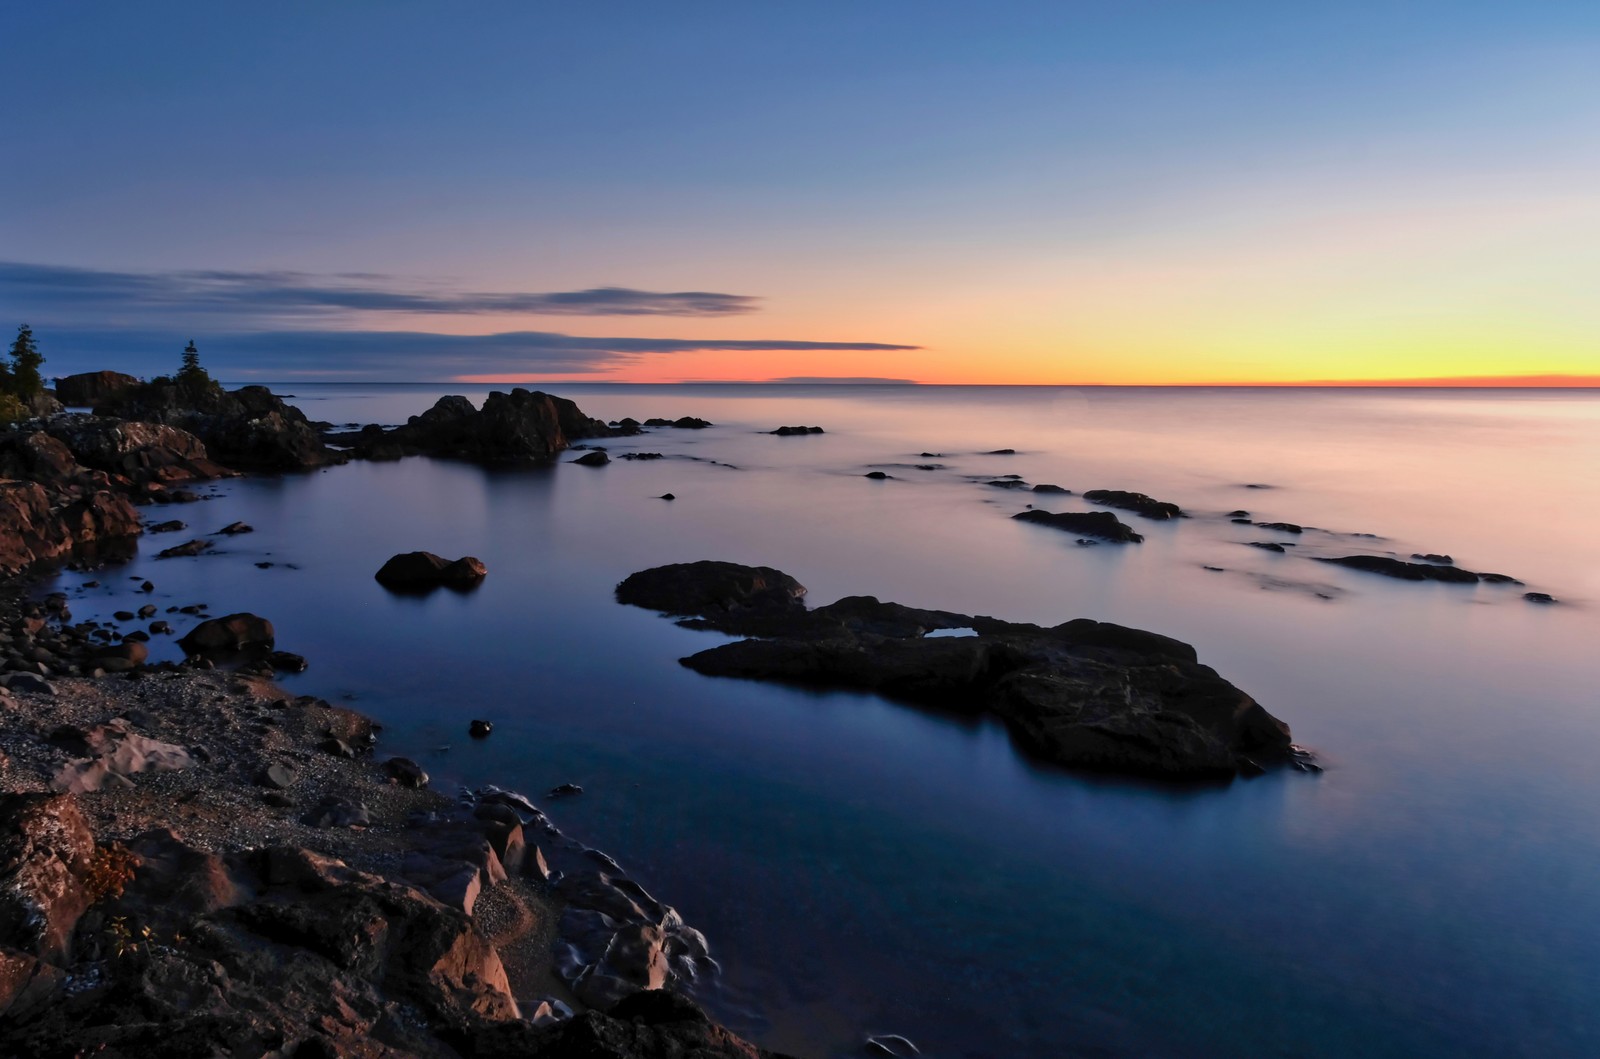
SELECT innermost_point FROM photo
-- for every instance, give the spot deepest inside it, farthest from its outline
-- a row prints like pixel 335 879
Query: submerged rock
pixel 1404 571
pixel 1138 503
pixel 1101 524
pixel 784 432
pixel 1084 694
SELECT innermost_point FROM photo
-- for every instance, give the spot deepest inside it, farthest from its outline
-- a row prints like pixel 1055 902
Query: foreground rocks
pixel 1083 694
pixel 185 910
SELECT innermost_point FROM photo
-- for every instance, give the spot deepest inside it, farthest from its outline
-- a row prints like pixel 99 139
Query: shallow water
pixel 863 867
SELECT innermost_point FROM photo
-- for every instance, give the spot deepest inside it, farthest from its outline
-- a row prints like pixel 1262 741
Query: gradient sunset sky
pixel 1061 192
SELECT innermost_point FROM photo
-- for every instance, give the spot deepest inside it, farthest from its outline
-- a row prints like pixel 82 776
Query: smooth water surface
pixel 864 867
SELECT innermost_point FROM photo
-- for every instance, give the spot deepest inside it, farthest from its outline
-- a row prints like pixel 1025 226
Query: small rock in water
pixel 1001 452
pixel 597 458
pixel 147 587
pixel 565 789
pixel 479 729
pixel 123 615
pixel 876 475
pixel 666 496
pixel 1268 546
pixel 233 529
pixel 1538 597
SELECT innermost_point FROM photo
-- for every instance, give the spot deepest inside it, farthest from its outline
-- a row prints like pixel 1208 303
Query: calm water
pixel 861 867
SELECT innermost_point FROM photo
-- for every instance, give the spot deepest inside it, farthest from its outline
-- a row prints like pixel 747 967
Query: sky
pixel 1009 193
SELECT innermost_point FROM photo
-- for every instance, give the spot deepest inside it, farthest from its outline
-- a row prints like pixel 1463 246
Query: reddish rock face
pixel 46 850
pixel 36 524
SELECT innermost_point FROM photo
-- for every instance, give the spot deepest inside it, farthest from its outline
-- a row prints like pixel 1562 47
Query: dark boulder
pixel 709 587
pixel 1102 524
pixel 1282 527
pixel 425 570
pixel 90 388
pixel 1138 503
pixel 597 458
pixel 787 432
pixel 231 633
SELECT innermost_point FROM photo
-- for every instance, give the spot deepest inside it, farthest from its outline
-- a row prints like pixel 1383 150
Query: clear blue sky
pixel 1024 191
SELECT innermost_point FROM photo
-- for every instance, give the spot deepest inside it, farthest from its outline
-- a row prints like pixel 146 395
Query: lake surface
pixel 863 867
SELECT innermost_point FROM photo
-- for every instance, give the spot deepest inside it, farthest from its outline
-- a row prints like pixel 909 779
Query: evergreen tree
pixel 192 376
pixel 23 378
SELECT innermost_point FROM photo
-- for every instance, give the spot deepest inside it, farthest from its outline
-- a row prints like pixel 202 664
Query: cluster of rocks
pixel 785 432
pixel 250 428
pixel 1084 694
pixel 515 427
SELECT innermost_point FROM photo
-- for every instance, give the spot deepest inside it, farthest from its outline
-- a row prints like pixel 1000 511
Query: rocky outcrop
pixel 1101 524
pixel 1084 694
pixel 421 571
pixel 139 452
pixel 249 429
pixel 523 426
pixel 91 388
pixel 787 432
pixel 1138 503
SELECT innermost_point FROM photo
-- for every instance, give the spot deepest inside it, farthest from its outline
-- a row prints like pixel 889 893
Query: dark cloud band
pixel 264 296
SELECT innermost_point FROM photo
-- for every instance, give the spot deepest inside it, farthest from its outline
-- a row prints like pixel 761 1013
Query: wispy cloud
pixel 399 355
pixel 263 297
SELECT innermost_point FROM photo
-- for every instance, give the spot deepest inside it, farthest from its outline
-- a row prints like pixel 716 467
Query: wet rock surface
pixel 1084 694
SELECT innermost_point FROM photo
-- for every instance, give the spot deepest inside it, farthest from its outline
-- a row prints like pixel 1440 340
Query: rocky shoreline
pixel 195 863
